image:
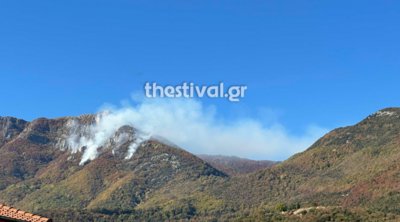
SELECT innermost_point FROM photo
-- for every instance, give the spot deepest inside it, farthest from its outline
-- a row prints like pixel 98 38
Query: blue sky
pixel 328 63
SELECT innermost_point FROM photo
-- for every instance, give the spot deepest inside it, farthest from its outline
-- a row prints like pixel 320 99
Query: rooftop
pixel 13 214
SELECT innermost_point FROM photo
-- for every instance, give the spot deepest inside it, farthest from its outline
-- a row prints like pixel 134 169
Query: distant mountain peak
pixel 233 165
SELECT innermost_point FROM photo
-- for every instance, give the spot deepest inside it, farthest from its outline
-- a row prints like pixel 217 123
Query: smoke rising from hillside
pixel 197 129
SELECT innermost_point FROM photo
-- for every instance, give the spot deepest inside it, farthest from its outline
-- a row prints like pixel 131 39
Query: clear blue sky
pixel 324 62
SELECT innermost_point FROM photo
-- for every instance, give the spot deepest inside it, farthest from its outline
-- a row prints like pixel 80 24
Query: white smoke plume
pixel 92 137
pixel 197 129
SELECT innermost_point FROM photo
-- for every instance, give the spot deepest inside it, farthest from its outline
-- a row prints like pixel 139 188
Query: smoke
pixel 104 130
pixel 196 128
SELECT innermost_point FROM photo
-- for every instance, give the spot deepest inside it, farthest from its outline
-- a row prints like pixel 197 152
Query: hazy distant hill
pixel 234 165
pixel 350 174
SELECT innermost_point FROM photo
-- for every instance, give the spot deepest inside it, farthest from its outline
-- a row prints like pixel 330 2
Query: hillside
pixel 350 174
pixel 39 172
pixel 351 167
pixel 232 165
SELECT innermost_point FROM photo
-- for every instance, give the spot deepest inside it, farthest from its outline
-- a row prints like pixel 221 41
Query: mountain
pixel 42 172
pixel 353 167
pixel 74 169
pixel 350 174
pixel 232 165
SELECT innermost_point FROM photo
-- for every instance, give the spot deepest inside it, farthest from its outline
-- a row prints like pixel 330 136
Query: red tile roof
pixel 15 214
